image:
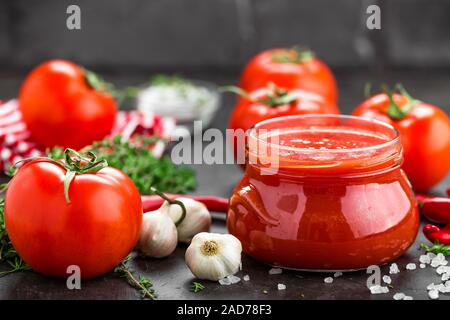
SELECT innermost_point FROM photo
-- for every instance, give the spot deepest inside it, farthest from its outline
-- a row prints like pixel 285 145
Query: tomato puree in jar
pixel 336 199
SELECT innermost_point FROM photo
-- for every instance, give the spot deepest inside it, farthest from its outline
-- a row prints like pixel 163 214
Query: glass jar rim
pixel 390 142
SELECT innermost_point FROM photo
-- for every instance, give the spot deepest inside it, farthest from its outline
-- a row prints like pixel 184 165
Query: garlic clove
pixel 213 256
pixel 198 219
pixel 158 237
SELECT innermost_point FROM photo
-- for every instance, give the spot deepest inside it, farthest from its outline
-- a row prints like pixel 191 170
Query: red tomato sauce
pixel 337 201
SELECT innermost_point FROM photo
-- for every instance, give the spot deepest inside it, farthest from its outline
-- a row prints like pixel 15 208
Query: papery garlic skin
pixel 158 237
pixel 198 219
pixel 213 256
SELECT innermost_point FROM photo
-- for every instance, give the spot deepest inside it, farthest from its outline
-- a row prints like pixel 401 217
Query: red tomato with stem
pixel 290 68
pixel 74 212
pixel 65 105
pixel 273 101
pixel 424 132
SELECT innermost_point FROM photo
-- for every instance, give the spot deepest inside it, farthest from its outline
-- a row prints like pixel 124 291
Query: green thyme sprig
pixel 197 287
pixel 138 162
pixel 436 248
pixel 143 284
pixel 7 252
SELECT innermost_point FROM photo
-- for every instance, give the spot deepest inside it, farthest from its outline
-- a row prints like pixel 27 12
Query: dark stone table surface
pixel 172 278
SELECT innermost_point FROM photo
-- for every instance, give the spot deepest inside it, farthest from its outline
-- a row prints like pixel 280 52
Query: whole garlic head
pixel 198 218
pixel 158 237
pixel 213 256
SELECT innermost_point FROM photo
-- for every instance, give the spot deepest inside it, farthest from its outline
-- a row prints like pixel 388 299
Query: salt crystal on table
pixel 393 269
pixel 281 286
pixel 411 266
pixel 246 277
pixel 431 286
pixel 377 289
pixel 431 255
pixel 447 283
pixel 425 259
pixel 387 279
pixel 439 260
pixel 328 280
pixel 445 277
pixel 275 271
pixel 422 266
pixel 433 294
pixel 234 279
pixel 442 270
pixel 440 288
pixel 408 298
pixel 337 274
pixel 399 296
pixel 225 281
pixel 444 289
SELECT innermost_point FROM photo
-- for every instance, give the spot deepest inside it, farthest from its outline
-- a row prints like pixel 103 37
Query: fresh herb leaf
pixel 197 287
pixel 436 248
pixel 143 284
pixel 169 80
pixel 138 162
pixel 7 251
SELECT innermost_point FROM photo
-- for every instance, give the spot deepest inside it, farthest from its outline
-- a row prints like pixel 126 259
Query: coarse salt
pixel 328 280
pixel 411 266
pixel 425 259
pixel 246 277
pixel 393 269
pixel 399 296
pixel 225 281
pixel 431 255
pixel 229 280
pixel 431 286
pixel 408 298
pixel 234 279
pixel 281 286
pixel 422 266
pixel 439 260
pixel 442 270
pixel 433 294
pixel 377 289
pixel 387 279
pixel 337 274
pixel 276 271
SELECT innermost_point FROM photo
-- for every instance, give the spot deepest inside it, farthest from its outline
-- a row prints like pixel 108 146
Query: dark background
pixel 128 41
pixel 220 35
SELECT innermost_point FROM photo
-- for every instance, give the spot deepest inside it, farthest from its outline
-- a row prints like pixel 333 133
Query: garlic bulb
pixel 158 237
pixel 198 218
pixel 213 256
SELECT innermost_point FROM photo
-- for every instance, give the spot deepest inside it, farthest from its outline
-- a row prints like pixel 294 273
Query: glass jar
pixel 323 193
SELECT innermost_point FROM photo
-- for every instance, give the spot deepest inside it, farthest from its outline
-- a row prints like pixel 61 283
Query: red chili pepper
pixel 436 234
pixel 435 209
pixel 213 203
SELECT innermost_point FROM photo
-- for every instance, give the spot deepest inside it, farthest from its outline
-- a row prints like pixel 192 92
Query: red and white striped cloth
pixel 16 142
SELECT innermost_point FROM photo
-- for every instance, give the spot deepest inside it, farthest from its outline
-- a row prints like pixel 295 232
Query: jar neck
pixel 351 163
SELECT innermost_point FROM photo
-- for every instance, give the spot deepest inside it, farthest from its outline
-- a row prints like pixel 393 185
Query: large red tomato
pixel 94 225
pixel 290 68
pixel 271 102
pixel 61 108
pixel 424 131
